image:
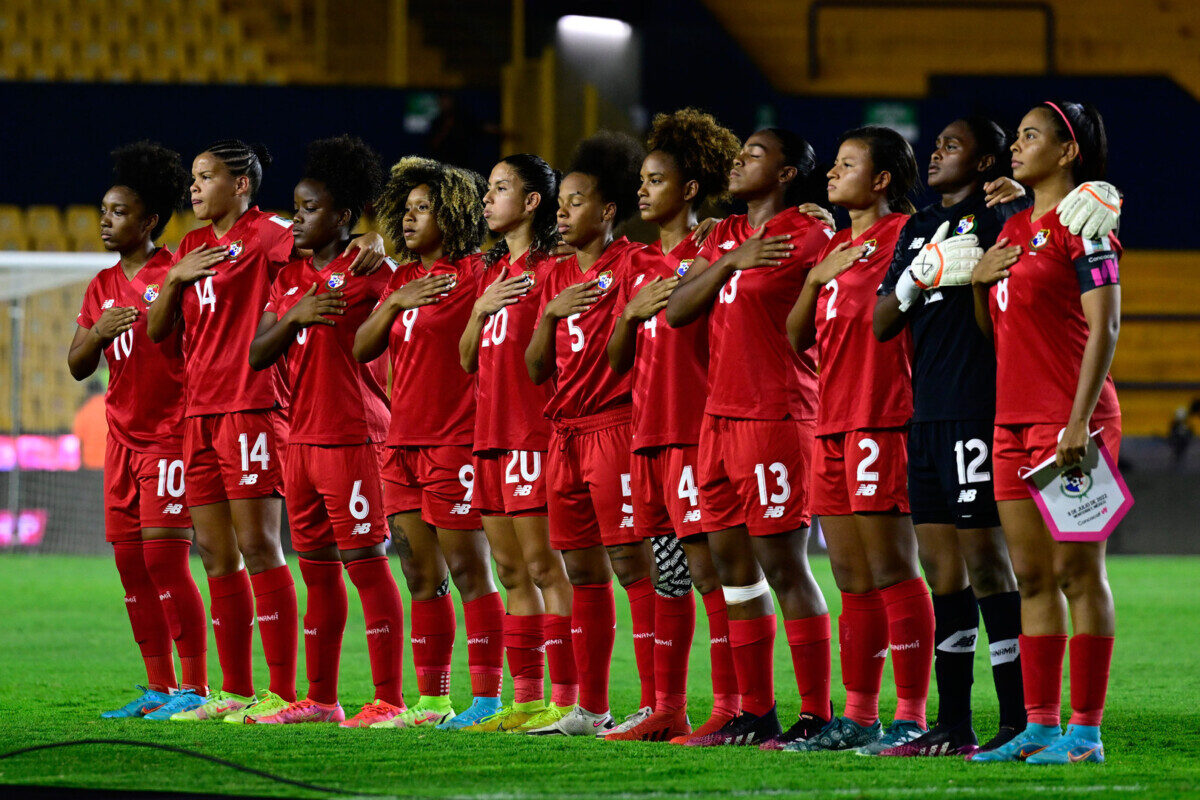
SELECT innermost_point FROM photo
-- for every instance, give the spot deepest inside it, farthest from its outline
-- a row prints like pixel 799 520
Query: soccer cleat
pixel 840 733
pixel 375 711
pixel 577 723
pixel 715 722
pixel 177 703
pixel 547 716
pixel 1079 745
pixel 146 702
pixel 1003 736
pixel 901 731
pixel 744 729
pixel 1031 741
pixel 301 711
pixel 508 719
pixel 429 712
pixel 940 740
pixel 481 708
pixel 217 707
pixel 807 725
pixel 661 726
pixel 265 706
pixel 633 720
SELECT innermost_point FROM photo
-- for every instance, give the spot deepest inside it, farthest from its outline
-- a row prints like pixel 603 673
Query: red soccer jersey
pixel 865 383
pixel 584 384
pixel 753 372
pixel 670 367
pixel 433 400
pixel 334 399
pixel 221 314
pixel 144 403
pixel 509 414
pixel 1040 329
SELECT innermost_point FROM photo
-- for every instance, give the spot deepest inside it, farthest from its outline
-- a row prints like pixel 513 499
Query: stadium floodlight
pixel 599 30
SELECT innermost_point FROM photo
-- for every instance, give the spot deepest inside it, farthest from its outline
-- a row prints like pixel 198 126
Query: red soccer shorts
pixel 666 493
pixel 141 490
pixel 588 490
pixel 234 456
pixel 510 484
pixel 438 481
pixel 1016 448
pixel 861 472
pixel 334 496
pixel 753 472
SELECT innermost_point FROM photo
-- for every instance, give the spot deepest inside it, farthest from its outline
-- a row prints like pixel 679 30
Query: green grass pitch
pixel 66 654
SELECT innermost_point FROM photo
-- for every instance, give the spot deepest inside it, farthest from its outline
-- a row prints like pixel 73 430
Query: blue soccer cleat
pixel 185 700
pixel 481 709
pixel 139 707
pixel 1031 741
pixel 1081 744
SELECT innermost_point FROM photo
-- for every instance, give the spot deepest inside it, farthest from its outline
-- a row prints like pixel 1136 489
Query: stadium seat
pixel 12 221
pixel 55 242
pixel 43 220
pixel 14 241
pixel 82 222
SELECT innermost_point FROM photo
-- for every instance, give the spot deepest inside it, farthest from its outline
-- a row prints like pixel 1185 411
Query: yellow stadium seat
pixel 12 221
pixel 13 241
pixel 43 220
pixel 85 244
pixel 56 242
pixel 82 222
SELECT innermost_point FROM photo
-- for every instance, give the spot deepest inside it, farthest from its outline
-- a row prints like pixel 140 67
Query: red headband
pixel 1067 122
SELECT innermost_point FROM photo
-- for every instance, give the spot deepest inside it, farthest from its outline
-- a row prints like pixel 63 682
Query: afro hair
pixel 156 174
pixel 457 197
pixel 615 161
pixel 703 150
pixel 350 170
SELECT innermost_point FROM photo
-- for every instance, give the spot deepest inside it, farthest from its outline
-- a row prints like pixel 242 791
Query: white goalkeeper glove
pixel 1091 210
pixel 942 262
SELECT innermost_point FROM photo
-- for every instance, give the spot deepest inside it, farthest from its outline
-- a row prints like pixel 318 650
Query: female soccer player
pixel 331 473
pixel 687 166
pixel 587 470
pixel 511 437
pixel 859 474
pixel 234 421
pixel 145 517
pixel 756 436
pixel 1054 314
pixel 437 211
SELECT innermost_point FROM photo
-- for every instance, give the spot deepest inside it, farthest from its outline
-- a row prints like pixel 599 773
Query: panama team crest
pixel 236 249
pixel 683 267
pixel 336 281
pixel 869 247
pixel 965 225
pixel 151 293
pixel 1075 483
pixel 528 276
pixel 604 280
pixel 1040 238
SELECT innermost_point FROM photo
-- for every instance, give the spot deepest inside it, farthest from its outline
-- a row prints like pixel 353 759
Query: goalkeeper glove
pixel 1091 210
pixel 942 262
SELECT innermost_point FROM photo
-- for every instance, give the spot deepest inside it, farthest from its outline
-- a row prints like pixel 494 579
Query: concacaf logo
pixel 1075 483
pixel 604 280
pixel 869 247
pixel 236 249
pixel 336 281
pixel 151 293
pixel 684 266
pixel 965 225
pixel 1040 238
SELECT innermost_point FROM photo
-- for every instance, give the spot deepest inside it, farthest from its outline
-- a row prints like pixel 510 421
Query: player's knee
pixel 1034 581
pixel 1079 577
pixel 472 577
pixel 545 572
pixel 735 595
pixel 512 575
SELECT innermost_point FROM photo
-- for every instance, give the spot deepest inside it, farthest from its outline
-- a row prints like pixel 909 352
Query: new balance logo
pixel 866 490
pixel 173 508
pixel 967 495
pixel 692 516
pixel 269 617
pixel 773 512
pixel 627 522
pixel 461 508
pixel 360 529
pixel 524 490
pixel 107 304
pixel 881 654
pixel 377 631
pixel 960 642
pixel 289 293
pixel 728 244
pixel 916 243
pixel 249 479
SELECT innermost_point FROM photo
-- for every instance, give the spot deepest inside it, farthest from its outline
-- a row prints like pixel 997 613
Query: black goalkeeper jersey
pixel 954 365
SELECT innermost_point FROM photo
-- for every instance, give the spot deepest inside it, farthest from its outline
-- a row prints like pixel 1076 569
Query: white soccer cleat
pixel 634 719
pixel 578 723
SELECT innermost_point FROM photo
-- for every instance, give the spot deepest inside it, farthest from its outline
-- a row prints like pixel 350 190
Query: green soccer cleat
pixel 1033 740
pixel 429 712
pixel 1079 745
pixel 901 731
pixel 270 703
pixel 142 705
pixel 217 707
pixel 549 716
pixel 841 733
pixel 508 719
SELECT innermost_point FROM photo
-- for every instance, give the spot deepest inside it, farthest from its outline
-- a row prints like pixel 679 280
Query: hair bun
pixel 262 153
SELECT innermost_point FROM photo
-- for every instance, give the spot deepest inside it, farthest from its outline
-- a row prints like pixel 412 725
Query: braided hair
pixel 457 198
pixel 156 175
pixel 242 159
